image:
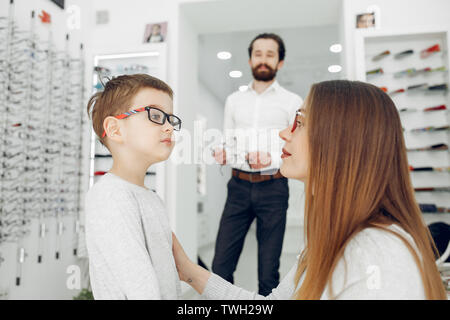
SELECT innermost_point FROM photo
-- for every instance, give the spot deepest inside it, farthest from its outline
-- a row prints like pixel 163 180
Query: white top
pixel 129 242
pixel 379 266
pixel 253 121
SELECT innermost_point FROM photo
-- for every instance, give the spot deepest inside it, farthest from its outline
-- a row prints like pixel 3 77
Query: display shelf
pixel 152 62
pixel 41 106
pixel 417 81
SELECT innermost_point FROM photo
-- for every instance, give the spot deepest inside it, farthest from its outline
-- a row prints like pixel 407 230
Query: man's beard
pixel 266 75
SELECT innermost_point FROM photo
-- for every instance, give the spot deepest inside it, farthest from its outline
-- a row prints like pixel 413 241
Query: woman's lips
pixel 285 154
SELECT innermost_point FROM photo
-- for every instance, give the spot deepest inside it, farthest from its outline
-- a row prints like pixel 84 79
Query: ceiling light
pixel 334 68
pixel 224 55
pixel 336 48
pixel 236 74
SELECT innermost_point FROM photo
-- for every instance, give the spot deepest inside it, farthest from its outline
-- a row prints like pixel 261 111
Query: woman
pixel 365 235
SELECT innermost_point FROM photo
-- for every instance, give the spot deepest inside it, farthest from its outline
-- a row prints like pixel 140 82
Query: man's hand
pixel 220 155
pixel 258 160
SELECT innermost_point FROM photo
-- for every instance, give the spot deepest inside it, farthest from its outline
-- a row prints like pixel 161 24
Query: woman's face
pixel 295 155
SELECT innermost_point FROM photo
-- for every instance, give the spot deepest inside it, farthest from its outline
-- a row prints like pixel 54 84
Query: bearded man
pixel 253 119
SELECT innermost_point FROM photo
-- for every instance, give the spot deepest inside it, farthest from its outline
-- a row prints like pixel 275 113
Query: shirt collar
pixel 274 86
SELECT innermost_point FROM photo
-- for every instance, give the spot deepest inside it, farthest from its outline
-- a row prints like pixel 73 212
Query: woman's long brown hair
pixel 358 178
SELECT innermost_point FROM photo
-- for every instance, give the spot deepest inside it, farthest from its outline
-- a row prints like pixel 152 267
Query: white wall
pixel 394 15
pixel 187 101
pixel 216 179
pixel 46 280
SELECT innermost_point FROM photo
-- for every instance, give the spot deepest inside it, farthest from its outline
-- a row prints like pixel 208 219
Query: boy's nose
pixel 167 127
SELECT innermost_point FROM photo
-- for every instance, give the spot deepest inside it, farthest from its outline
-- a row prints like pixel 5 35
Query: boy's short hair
pixel 117 95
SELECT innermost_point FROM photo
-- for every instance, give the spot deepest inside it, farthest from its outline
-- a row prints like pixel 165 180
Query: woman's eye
pixel 156 117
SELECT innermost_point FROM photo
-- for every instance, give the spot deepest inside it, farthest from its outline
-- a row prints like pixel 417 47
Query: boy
pixel 128 235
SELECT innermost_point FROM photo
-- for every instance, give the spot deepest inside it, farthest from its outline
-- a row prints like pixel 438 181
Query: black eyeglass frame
pixel 167 117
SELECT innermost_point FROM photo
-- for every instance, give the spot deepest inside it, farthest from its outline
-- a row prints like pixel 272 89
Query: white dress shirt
pixel 253 122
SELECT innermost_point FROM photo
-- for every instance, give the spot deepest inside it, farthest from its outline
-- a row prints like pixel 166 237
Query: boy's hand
pixel 258 160
pixel 220 155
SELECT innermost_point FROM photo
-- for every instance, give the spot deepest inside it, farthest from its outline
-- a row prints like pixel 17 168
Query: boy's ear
pixel 112 128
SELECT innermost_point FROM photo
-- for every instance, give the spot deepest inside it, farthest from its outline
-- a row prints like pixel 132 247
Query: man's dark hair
pixel 273 36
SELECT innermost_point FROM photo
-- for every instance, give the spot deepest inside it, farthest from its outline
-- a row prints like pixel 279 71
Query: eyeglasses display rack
pixel 41 105
pixel 412 67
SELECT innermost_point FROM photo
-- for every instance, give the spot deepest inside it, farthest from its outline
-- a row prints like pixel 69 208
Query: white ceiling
pixel 307 59
pixel 307 27
pixel 240 15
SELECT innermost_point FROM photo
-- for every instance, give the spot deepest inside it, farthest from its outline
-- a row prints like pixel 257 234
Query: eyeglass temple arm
pixel 126 114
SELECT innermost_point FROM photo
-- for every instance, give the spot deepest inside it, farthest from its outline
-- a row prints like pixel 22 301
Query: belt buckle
pixel 254 178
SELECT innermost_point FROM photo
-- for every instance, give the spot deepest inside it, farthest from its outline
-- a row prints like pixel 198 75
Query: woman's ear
pixel 113 129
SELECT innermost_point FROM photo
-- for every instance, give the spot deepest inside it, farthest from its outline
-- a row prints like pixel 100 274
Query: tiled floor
pixel 246 272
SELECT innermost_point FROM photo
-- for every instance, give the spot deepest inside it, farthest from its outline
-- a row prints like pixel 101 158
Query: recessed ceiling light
pixel 334 68
pixel 224 55
pixel 236 74
pixel 243 88
pixel 336 48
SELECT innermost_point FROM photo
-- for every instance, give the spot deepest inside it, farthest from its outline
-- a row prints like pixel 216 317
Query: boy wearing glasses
pixel 128 234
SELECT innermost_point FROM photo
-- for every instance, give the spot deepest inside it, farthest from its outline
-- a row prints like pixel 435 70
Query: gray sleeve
pixel 117 243
pixel 220 289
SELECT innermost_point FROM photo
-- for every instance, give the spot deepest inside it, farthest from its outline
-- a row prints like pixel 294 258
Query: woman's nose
pixel 285 134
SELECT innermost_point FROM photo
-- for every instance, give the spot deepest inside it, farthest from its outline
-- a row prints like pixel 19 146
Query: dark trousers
pixel 268 202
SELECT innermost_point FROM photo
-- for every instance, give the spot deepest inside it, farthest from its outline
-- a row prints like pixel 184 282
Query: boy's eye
pixel 156 117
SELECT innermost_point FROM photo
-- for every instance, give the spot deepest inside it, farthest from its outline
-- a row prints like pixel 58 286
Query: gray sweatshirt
pixel 129 242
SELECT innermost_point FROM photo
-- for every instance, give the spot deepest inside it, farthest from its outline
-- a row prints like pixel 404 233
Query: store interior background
pixel 197 30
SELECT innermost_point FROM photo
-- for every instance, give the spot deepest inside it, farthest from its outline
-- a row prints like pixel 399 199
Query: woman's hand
pixel 188 271
pixel 182 261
